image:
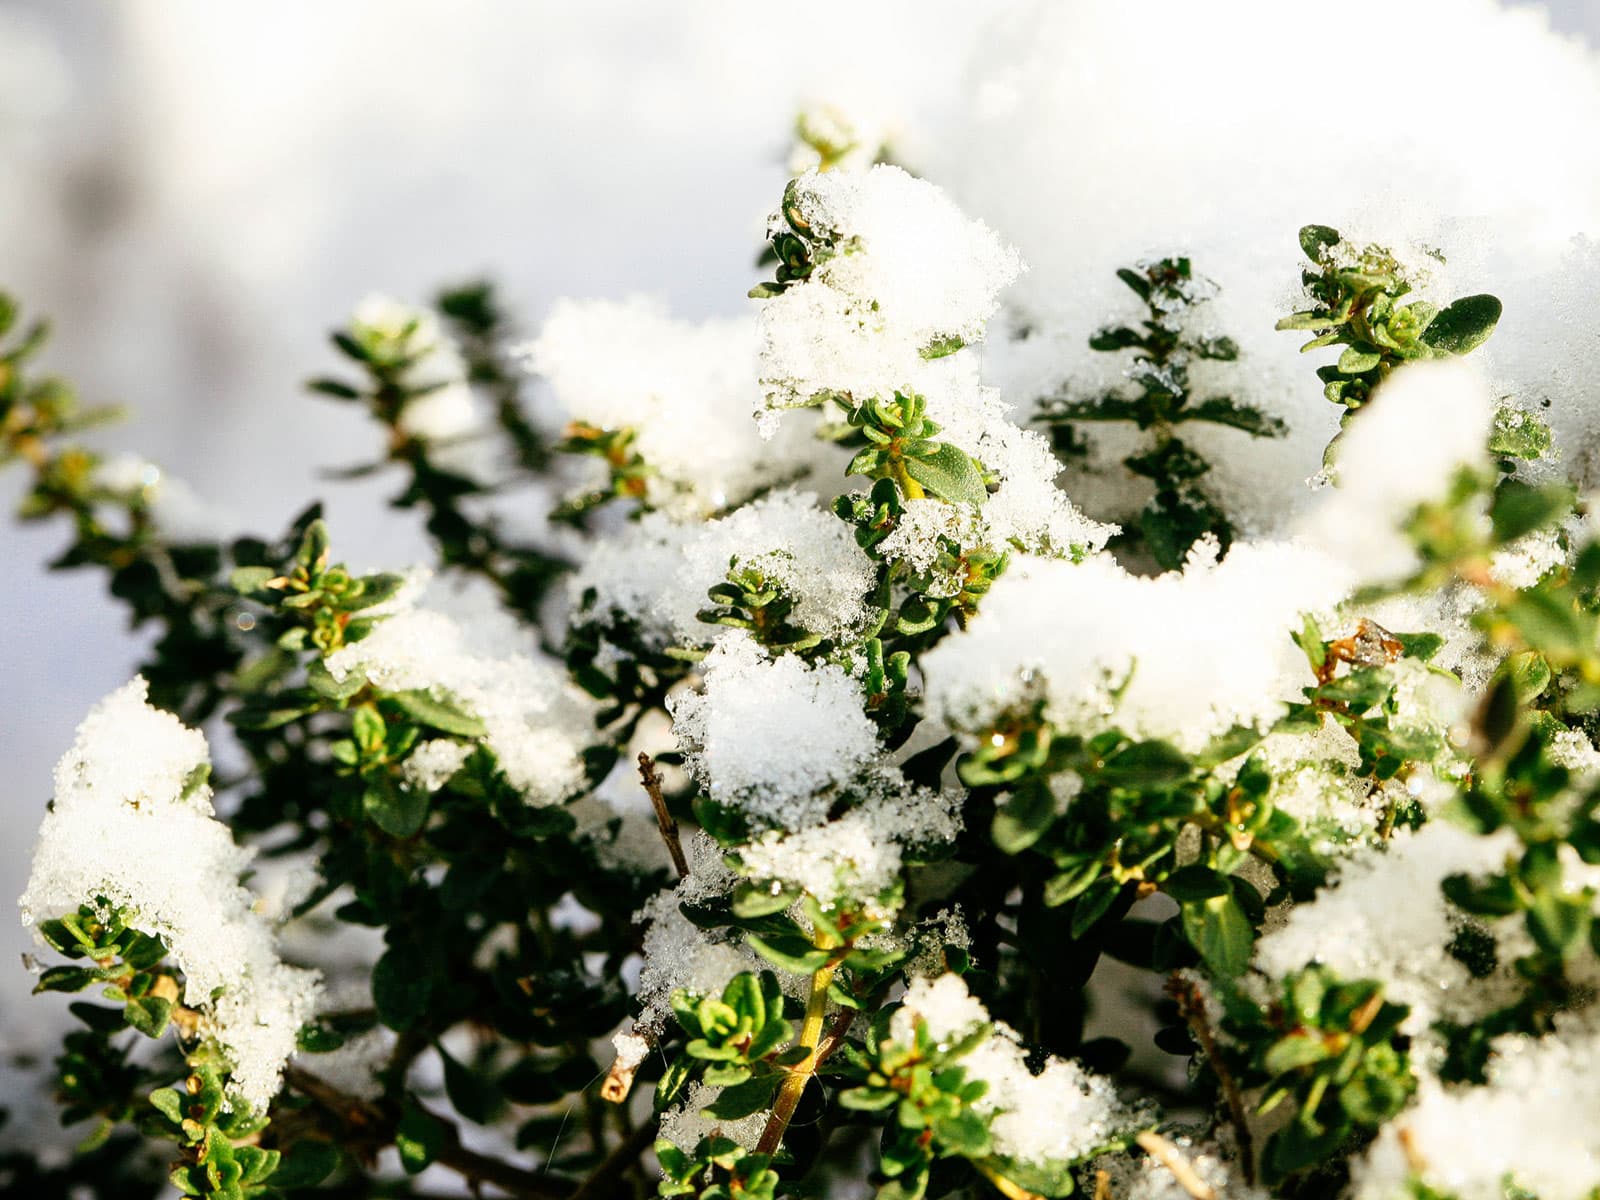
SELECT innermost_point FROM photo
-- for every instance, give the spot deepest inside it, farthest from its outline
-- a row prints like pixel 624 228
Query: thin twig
pixel 1192 1008
pixel 668 827
pixel 616 1164
pixel 477 1169
pixel 1165 1153
pixel 811 1038
pixel 1102 1185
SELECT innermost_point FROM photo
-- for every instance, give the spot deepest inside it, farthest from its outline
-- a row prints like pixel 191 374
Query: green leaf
pixel 149 1014
pixel 419 1137
pixel 672 1082
pixel 1314 239
pixel 1519 434
pixel 440 714
pixel 1220 931
pixel 321 681
pixel 398 810
pixel 752 899
pixel 305 1165
pixel 863 1099
pixel 1519 508
pixel 169 1102
pixel 1137 282
pixel 1220 410
pixel 1297 1050
pixel 334 388
pixel 1357 362
pixel 247 580
pixel 1529 673
pixel 66 979
pixel 1463 326
pixel 1195 882
pixel 400 989
pixel 1559 923
pixel 1146 765
pixel 474 1095
pixel 1024 817
pixel 791 952
pixel 1420 646
pixel 745 1099
pixel 1551 624
pixel 1069 883
pixel 942 347
pixel 949 474
pixel 1093 904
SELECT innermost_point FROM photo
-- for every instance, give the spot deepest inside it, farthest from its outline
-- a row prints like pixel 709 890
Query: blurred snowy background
pixel 196 192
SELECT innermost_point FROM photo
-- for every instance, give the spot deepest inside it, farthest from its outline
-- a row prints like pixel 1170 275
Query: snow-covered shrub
pixel 811 794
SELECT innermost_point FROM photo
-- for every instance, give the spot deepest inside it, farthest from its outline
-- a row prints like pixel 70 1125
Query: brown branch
pixel 1192 1008
pixel 379 1124
pixel 668 827
pixel 617 1163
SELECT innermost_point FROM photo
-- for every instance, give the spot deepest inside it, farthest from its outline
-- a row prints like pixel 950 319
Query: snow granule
pixel 1530 1130
pixel 1385 918
pixel 774 738
pixel 686 390
pixel 538 723
pixel 902 270
pixel 1057 1116
pixel 854 858
pixel 1194 652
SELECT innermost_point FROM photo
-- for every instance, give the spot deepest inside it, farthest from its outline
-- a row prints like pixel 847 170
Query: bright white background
pixel 196 191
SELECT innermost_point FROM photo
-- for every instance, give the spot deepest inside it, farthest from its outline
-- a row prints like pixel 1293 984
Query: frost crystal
pixel 677 952
pixel 1059 1115
pixel 1193 652
pixel 538 723
pixel 429 767
pixel 131 827
pixel 773 737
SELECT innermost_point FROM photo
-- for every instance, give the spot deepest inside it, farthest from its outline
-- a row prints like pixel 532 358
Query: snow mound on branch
pixel 1192 653
pixel 131 826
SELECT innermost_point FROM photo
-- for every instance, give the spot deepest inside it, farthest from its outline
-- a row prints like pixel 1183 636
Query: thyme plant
pixel 802 848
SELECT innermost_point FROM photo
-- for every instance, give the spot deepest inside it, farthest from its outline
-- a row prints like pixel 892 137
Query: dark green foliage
pixel 1333 1049
pixel 1356 293
pixel 1179 513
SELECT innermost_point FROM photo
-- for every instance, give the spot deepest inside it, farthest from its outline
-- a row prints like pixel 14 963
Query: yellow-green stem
pixel 794 1084
pixel 909 487
pixel 1004 1186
